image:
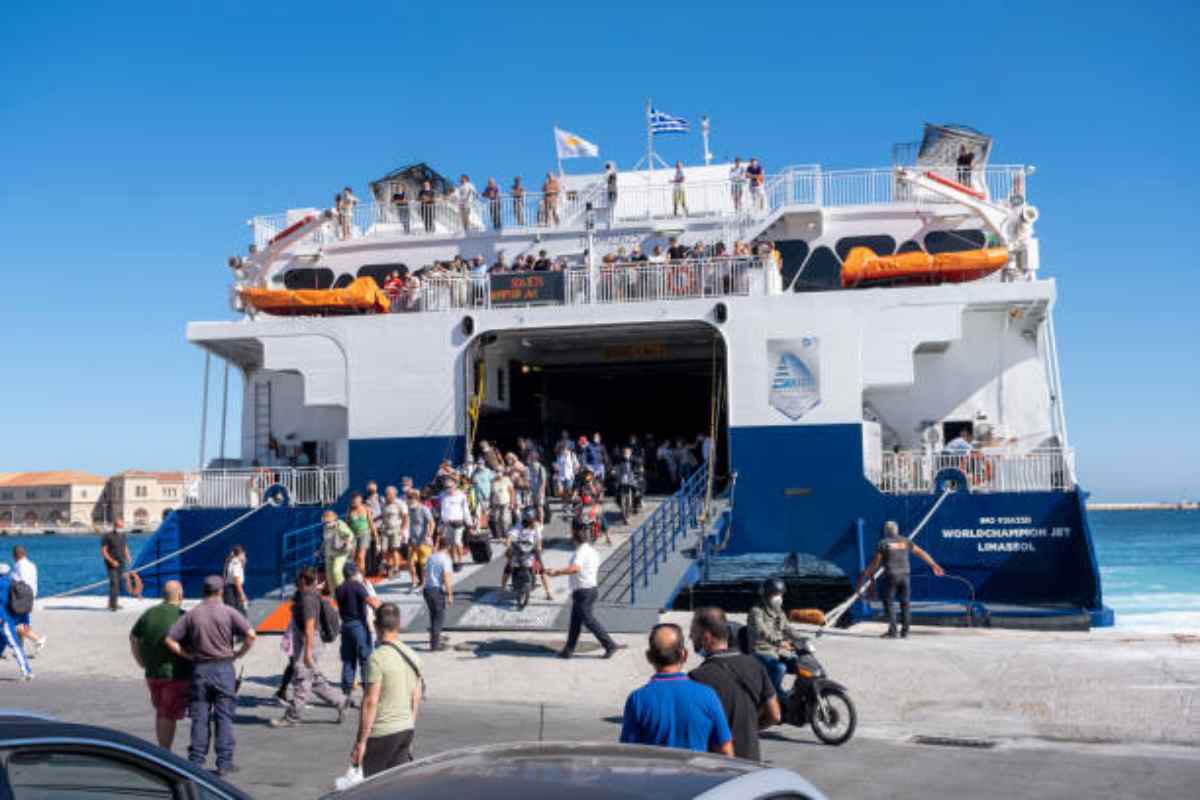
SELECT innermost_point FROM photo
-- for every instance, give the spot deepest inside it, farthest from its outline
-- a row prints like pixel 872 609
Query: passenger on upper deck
pixel 465 194
pixel 679 193
pixel 550 189
pixel 610 180
pixel 754 174
pixel 518 200
pixel 345 202
pixel 737 182
pixel 400 206
pixel 427 197
pixel 492 193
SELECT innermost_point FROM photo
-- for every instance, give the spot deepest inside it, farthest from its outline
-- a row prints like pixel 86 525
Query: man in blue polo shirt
pixel 672 710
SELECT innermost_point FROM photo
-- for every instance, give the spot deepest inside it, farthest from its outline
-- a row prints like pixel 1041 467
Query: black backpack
pixel 20 598
pixel 330 622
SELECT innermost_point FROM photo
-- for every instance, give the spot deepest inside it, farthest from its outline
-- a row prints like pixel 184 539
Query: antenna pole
pixel 649 141
pixel 708 157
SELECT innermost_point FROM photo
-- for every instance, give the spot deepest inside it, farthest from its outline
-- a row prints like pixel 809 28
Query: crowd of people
pixel 467 208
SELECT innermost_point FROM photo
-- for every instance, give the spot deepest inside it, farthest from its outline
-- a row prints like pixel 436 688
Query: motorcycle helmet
pixel 528 516
pixel 773 586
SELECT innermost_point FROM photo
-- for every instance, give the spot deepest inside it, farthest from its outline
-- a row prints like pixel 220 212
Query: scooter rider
pixel 771 637
pixel 893 555
pixel 530 531
pixel 631 472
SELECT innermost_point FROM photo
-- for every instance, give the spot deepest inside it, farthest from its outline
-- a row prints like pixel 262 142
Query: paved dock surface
pixel 1104 714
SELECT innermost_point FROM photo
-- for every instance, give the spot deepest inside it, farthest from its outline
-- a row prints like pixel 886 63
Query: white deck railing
pixel 987 471
pixel 806 186
pixel 246 487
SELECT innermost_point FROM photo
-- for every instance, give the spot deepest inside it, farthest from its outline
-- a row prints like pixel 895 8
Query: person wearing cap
pixel 205 636
pixel 455 516
pixel 8 626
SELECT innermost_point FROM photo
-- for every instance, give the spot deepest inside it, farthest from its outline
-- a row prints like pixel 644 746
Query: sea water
pixel 1149 565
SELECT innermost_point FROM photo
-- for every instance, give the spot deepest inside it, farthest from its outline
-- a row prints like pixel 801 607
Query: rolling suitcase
pixel 481 549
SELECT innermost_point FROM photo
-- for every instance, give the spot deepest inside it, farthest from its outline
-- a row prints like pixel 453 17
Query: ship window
pixel 308 278
pixel 501 388
pixel 792 254
pixel 380 272
pixel 909 247
pixel 821 271
pixel 344 280
pixel 881 245
pixel 955 241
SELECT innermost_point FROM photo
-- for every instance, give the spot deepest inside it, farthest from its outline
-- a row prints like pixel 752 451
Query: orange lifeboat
pixel 362 296
pixel 864 266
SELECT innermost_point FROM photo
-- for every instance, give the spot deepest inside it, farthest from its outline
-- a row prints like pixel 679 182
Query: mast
pixel 649 140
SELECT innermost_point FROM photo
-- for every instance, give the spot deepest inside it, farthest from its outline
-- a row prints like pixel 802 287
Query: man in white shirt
pixel 456 518
pixel 466 200
pixel 961 443
pixel 583 569
pixel 737 182
pixel 25 571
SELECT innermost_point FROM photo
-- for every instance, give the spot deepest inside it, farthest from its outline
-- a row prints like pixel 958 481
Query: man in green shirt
pixel 390 699
pixel 338 543
pixel 167 677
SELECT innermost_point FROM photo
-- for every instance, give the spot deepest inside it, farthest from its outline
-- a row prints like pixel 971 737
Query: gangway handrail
pixel 652 542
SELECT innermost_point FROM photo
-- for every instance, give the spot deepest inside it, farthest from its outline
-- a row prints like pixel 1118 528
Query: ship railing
pixel 986 471
pixel 639 282
pixel 804 186
pixel 620 282
pixel 246 487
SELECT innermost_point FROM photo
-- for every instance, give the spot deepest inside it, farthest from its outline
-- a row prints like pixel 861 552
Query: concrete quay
pixel 1059 714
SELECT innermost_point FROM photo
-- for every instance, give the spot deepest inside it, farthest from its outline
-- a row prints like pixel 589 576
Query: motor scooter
pixel 814 699
pixel 522 554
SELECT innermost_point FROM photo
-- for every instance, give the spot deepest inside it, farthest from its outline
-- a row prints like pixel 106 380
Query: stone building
pixel 143 498
pixel 58 499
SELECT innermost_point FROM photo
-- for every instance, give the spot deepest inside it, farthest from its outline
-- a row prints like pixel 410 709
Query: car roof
pixel 581 770
pixel 28 728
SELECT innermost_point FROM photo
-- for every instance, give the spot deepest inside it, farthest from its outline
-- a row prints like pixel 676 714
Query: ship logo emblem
pixel 795 386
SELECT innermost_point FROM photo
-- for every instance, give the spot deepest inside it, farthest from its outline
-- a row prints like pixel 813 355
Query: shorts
pixel 20 619
pixel 455 531
pixel 423 553
pixel 395 540
pixel 363 542
pixel 169 697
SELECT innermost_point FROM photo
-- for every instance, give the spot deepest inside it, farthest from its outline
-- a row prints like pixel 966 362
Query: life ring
pixel 977 467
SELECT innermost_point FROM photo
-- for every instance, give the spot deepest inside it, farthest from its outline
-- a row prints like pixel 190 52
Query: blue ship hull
pixel 800 489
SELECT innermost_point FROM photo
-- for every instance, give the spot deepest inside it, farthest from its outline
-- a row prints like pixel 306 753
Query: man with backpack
pixel 25 571
pixel 8 626
pixel 314 623
pixel 392 692
pixel 740 681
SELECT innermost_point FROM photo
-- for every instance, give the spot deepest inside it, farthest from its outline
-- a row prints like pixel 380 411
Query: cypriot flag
pixel 571 146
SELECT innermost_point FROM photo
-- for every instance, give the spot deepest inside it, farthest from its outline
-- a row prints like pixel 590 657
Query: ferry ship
pixel 890 310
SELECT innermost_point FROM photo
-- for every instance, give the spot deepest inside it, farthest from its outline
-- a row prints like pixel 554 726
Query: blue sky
pixel 135 141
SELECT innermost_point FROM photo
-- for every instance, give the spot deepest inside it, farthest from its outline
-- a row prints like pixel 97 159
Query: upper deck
pixel 646 197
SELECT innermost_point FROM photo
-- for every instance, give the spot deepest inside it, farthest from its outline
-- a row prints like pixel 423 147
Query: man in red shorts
pixel 167 677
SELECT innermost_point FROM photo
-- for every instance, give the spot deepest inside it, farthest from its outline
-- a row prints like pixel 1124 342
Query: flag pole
pixel 649 141
pixel 708 157
pixel 557 154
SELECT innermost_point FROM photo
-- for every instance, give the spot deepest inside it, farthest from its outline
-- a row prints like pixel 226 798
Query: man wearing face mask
pixel 740 681
pixel 338 543
pixel 771 638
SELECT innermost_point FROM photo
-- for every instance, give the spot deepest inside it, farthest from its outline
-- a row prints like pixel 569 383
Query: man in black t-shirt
pixel 677 251
pixel 353 599
pixel 305 644
pixel 114 549
pixel 740 681
pixel 893 555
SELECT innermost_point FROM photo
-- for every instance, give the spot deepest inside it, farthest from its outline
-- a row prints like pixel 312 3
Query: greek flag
pixel 665 123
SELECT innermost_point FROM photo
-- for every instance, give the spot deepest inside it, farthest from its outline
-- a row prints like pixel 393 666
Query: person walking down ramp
pixel 893 554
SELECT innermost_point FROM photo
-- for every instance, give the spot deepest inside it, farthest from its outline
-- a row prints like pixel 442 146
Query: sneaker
pixel 564 653
pixel 341 712
pixel 890 634
pixel 227 770
pixel 904 633
pixel 284 722
pixel 609 652
pixel 28 676
pixel 38 644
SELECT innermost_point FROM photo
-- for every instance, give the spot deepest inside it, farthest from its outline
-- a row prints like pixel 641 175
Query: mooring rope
pixel 167 557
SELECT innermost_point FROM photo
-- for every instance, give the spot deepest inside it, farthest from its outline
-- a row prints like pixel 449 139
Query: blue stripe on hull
pixel 387 460
pixel 802 489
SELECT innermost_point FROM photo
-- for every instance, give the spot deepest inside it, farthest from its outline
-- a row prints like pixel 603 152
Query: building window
pixel 56 492
pixel 6 495
pixel 30 494
pixel 83 494
pixel 140 491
